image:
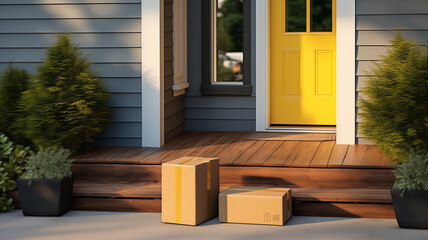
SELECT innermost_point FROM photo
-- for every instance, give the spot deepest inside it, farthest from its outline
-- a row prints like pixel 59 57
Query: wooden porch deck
pixel 233 149
pixel 327 179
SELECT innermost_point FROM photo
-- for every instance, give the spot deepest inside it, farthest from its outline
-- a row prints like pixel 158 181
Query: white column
pixel 261 64
pixel 345 103
pixel 152 73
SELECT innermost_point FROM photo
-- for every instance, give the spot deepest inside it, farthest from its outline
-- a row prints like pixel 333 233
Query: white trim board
pixel 152 73
pixel 345 67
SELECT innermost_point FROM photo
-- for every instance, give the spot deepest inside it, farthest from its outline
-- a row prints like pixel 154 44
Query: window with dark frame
pixel 226 36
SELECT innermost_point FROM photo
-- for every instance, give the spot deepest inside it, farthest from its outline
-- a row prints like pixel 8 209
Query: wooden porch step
pixel 146 197
pixel 243 175
pixel 371 203
pixel 153 190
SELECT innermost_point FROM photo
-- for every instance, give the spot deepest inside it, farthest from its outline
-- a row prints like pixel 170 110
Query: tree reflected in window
pixel 229 41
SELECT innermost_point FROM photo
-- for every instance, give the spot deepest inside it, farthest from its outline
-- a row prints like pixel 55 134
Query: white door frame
pixel 152 93
pixel 345 70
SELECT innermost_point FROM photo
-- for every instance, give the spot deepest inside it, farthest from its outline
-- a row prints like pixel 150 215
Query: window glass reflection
pixel 295 16
pixel 321 15
pixel 229 41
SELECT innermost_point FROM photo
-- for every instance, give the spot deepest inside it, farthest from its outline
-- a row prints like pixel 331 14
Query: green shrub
pixel 13 82
pixel 66 107
pixel 412 175
pixel 396 110
pixel 49 164
pixel 12 159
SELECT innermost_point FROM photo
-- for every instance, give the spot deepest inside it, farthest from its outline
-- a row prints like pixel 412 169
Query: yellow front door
pixel 302 63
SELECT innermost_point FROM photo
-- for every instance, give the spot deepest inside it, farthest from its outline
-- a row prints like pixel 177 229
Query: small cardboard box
pixel 255 205
pixel 190 188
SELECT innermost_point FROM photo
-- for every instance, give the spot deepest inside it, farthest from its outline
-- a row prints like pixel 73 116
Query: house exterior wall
pixel 212 113
pixel 174 106
pixel 108 30
pixel 375 23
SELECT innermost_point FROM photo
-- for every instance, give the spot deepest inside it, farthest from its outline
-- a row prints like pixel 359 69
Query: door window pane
pixel 295 15
pixel 321 15
pixel 230 23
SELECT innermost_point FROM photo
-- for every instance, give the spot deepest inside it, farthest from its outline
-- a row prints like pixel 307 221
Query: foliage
pixel 66 107
pixel 224 74
pixel 230 26
pixel 13 82
pixel 396 110
pixel 47 164
pixel 12 159
pixel 412 175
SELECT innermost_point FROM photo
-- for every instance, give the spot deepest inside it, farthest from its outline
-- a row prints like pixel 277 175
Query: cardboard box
pixel 190 188
pixel 255 205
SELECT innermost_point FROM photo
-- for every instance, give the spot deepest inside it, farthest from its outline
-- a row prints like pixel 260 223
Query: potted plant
pixel 410 192
pixel 46 187
pixel 395 112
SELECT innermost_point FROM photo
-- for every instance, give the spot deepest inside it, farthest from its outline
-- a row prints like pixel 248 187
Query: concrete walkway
pixel 107 225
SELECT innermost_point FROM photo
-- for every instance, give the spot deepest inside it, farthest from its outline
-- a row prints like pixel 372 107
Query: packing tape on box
pixel 178 197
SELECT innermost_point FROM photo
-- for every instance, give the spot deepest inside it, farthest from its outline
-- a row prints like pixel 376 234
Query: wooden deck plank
pixel 303 154
pixel 153 190
pixel 264 153
pixel 117 205
pixel 159 155
pixel 355 156
pixel 307 177
pixel 385 161
pixel 126 155
pixel 212 149
pixel 372 158
pixel 243 159
pixel 117 173
pixel 342 195
pixel 322 156
pixel 171 146
pixel 235 149
pixel 338 155
pixel 102 154
pixel 191 146
pixel 281 155
pixel 92 152
pixel 114 190
pixel 141 156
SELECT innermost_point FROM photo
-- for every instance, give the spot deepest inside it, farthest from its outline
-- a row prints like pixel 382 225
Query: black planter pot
pixel 45 197
pixel 411 209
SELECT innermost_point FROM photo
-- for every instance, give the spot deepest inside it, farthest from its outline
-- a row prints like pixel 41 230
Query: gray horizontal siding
pixel 219 125
pixel 114 70
pixel 48 2
pixel 206 113
pixel 99 55
pixel 71 26
pixel 108 31
pixel 85 40
pixel 125 100
pixel 376 23
pixel 221 114
pixel 220 102
pixel 36 11
pixel 132 142
pixel 173 105
pixel 391 7
pixel 392 22
pixel 122 85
